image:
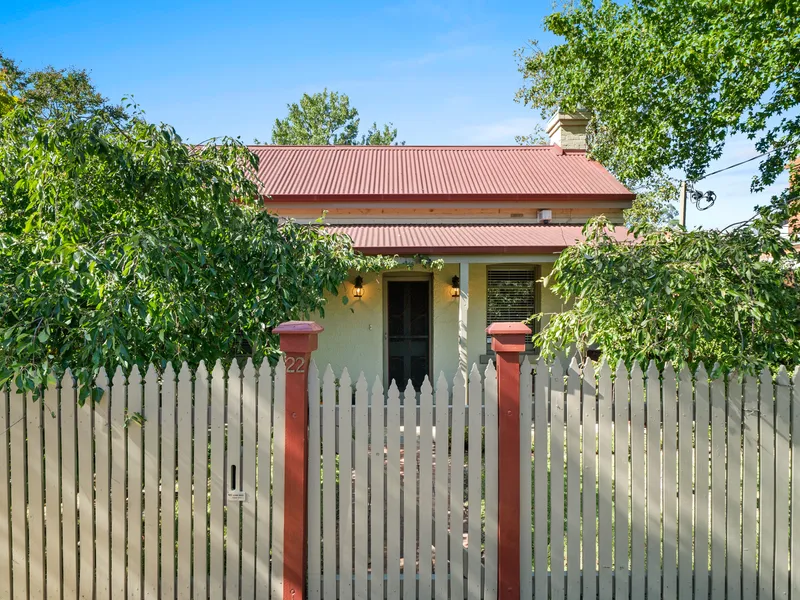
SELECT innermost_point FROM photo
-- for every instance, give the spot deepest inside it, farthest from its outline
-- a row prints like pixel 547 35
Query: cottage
pixel 496 216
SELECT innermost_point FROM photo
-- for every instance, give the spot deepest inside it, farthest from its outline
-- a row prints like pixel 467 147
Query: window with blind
pixel 510 295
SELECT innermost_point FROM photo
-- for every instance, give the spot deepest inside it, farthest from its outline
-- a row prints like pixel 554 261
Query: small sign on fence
pixel 237 496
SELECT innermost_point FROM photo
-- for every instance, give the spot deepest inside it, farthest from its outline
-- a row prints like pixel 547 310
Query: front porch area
pixel 412 322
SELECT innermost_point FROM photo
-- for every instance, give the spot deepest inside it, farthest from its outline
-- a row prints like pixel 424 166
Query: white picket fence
pixel 189 504
pixel 408 521
pixel 121 510
pixel 702 507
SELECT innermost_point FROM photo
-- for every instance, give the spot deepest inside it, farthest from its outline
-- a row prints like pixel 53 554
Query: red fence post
pixel 508 340
pixel 298 341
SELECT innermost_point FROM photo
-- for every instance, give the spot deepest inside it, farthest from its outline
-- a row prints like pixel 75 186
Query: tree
pixel 654 205
pixel 712 296
pixel 49 90
pixel 121 244
pixel 327 118
pixel 712 69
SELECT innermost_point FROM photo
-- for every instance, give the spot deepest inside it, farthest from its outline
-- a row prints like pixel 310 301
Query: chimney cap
pixel 577 118
pixel 568 130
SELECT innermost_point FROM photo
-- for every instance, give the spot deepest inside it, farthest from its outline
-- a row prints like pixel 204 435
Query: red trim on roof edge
pixel 411 250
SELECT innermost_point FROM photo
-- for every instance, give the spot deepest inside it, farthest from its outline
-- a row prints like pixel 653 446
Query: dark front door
pixel 408 331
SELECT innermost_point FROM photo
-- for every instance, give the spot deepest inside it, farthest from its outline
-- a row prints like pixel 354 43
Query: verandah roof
pixel 465 239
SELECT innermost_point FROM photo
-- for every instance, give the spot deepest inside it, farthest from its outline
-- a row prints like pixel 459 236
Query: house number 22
pixel 295 364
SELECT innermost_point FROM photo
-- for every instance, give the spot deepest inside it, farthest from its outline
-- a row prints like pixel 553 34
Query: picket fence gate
pixel 403 486
pixel 414 519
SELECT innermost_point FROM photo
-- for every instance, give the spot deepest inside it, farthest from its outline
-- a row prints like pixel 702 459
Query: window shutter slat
pixel 511 294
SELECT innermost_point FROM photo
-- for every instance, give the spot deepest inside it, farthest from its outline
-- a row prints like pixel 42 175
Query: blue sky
pixel 443 72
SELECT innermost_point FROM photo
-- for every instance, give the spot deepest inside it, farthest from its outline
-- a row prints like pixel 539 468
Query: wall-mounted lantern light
pixel 455 291
pixel 358 287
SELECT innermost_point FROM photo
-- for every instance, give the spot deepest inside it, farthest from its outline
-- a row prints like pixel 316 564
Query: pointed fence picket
pixel 35 499
pixel 605 475
pixel 134 465
pixel 638 509
pixel 457 422
pixel 782 523
pixel 86 532
pixel 166 525
pixel 102 494
pixel 441 507
pixel 475 445
pixel 589 450
pixel 573 436
pixel 151 482
pixel 393 493
pixel 557 482
pixel 718 522
pixel 621 501
pixel 19 531
pixel 654 479
pixel 409 509
pixel 734 487
pixel 185 442
pixel 201 489
pixel 345 512
pixel 248 482
pixel 377 440
pixel 669 486
pixel 659 484
pixel 701 494
pixel 750 487
pixel 233 472
pixel 540 476
pixel 425 489
pixel 361 473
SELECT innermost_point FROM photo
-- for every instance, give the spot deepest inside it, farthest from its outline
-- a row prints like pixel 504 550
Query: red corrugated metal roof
pixel 464 239
pixel 318 173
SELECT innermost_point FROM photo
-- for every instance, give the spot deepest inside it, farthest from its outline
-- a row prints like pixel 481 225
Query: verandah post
pixel 508 341
pixel 298 341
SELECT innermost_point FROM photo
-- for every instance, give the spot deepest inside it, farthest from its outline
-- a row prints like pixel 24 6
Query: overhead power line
pixel 733 166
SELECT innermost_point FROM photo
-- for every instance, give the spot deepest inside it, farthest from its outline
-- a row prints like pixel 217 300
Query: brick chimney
pixel 568 131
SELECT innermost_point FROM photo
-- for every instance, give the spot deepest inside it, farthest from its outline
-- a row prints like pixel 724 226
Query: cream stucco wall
pixel 354 332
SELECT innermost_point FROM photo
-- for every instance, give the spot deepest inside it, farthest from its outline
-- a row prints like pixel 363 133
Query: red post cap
pixel 508 337
pixel 298 336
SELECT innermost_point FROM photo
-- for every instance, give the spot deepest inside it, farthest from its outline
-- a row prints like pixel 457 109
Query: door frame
pixel 407 276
